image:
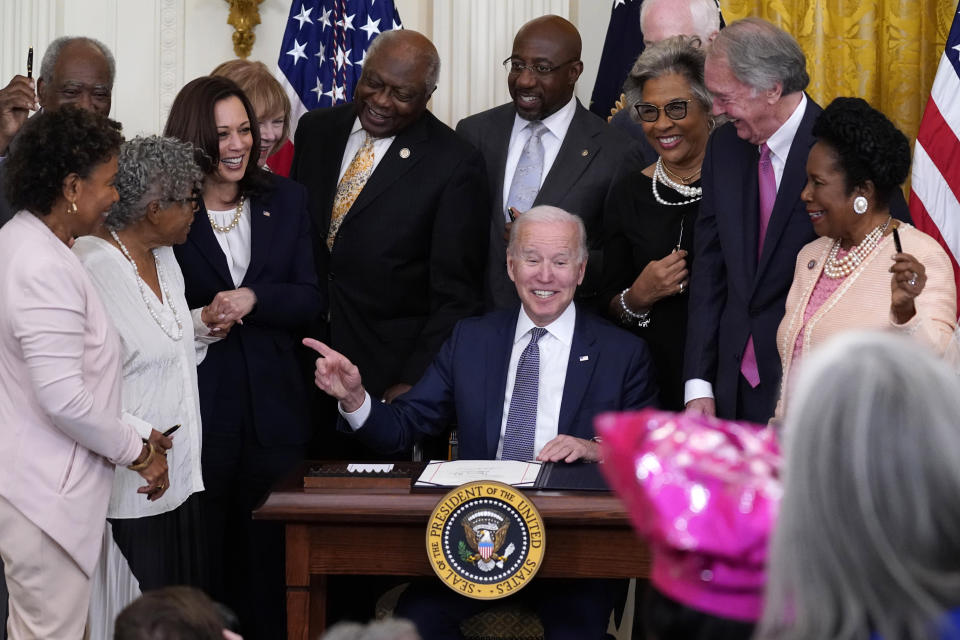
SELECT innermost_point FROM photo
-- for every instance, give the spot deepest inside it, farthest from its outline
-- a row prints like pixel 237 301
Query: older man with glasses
pixel 544 148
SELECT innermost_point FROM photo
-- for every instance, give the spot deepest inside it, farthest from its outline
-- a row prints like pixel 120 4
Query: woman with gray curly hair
pixel 148 545
pixel 648 221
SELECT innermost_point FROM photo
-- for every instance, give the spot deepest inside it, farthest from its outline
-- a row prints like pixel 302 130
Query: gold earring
pixel 72 208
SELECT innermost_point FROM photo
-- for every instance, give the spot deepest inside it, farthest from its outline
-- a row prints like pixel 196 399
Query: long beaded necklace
pixel 233 223
pixel 143 294
pixel 842 267
pixel 692 193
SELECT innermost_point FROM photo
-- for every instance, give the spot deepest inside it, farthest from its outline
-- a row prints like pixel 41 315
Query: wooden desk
pixel 327 532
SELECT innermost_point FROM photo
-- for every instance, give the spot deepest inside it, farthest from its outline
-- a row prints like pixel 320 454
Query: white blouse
pixel 236 242
pixel 159 373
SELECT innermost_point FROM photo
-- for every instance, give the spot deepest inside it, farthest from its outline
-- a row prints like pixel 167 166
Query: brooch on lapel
pixel 811 264
pixel 404 153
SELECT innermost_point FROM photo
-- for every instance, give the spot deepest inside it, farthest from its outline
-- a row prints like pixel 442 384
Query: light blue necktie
pixel 518 437
pixel 526 179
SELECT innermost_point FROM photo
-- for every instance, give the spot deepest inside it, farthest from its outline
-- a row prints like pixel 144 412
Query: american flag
pixel 935 185
pixel 324 47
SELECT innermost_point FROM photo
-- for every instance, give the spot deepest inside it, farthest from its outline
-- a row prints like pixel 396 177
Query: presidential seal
pixel 485 540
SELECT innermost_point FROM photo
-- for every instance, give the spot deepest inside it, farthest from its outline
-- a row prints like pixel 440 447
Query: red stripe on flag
pixel 941 144
pixel 922 221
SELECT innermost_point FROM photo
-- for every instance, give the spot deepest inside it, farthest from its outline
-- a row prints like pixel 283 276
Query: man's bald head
pixel 662 19
pixel 76 71
pixel 545 65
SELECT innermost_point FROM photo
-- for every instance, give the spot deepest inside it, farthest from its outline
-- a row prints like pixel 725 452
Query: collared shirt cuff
pixel 356 418
pixel 696 388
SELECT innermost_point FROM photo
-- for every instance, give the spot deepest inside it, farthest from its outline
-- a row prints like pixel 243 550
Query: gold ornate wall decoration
pixel 244 16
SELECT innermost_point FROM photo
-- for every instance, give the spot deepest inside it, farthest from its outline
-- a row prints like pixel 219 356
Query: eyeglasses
pixel 193 201
pixel 675 110
pixel 516 67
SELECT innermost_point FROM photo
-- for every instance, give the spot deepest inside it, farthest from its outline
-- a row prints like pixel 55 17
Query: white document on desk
pixel 453 473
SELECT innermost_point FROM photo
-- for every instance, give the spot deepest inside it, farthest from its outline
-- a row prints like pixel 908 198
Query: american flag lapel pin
pixel 584 358
pixel 266 213
pixel 404 153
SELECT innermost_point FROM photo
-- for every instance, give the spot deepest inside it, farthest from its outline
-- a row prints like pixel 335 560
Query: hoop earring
pixel 860 205
pixel 72 208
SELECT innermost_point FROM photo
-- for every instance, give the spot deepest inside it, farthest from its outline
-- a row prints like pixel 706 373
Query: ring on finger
pixel 913 279
pixel 681 288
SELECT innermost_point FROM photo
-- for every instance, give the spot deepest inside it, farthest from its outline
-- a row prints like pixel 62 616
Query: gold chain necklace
pixel 233 223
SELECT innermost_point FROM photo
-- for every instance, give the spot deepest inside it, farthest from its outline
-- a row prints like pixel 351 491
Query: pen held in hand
pixel 30 62
pixel 896 240
pixel 169 432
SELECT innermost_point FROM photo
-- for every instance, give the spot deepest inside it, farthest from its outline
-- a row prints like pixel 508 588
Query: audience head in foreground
pixel 390 629
pixel 868 537
pixel 171 613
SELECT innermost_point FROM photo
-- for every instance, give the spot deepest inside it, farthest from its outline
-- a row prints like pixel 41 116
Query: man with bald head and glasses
pixel 545 148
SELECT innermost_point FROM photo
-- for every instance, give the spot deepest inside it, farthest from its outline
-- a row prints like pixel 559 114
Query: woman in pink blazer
pixel 856 276
pixel 60 371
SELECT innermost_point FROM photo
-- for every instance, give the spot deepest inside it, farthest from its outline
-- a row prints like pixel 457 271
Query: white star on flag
pixel 325 18
pixel 363 58
pixel 318 89
pixel 617 3
pixel 339 93
pixel 372 27
pixel 304 16
pixel 396 25
pixel 297 52
pixel 342 57
pixel 320 55
pixel 347 22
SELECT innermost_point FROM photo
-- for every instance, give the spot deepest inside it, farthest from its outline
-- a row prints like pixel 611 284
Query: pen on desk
pixel 30 62
pixel 896 240
pixel 169 432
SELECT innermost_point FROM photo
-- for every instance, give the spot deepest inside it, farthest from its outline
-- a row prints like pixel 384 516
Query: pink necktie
pixel 768 195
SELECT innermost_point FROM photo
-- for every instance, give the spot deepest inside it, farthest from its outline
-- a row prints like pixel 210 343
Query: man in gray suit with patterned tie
pixel 545 148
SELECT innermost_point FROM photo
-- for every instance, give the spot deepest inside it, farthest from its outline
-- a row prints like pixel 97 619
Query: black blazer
pixel 408 260
pixel 608 370
pixel 592 155
pixel 262 357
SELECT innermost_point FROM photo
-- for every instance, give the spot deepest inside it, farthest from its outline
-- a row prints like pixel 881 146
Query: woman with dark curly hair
pixel 61 431
pixel 856 276
pixel 131 262
pixel 250 252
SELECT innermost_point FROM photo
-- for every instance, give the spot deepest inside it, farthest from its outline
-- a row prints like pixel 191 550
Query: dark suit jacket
pixel 260 357
pixel 408 260
pixel 608 370
pixel 591 156
pixel 732 296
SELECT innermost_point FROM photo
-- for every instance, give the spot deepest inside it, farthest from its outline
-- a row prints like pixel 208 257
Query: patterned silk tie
pixel 526 179
pixel 518 437
pixel 768 195
pixel 357 174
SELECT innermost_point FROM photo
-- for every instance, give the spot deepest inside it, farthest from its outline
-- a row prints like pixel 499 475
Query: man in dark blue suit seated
pixel 520 384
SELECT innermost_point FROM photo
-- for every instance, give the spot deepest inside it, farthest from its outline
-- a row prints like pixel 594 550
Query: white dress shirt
pixel 355 141
pixel 779 144
pixel 159 374
pixel 557 124
pixel 236 242
pixel 554 355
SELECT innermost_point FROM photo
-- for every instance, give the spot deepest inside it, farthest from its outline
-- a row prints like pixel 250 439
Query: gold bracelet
pixel 140 466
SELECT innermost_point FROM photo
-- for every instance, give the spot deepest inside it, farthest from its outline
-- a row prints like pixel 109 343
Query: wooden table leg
pixel 318 605
pixel 298 582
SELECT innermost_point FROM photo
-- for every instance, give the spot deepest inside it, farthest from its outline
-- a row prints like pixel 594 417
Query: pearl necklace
pixel 143 294
pixel 842 267
pixel 692 193
pixel 233 223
